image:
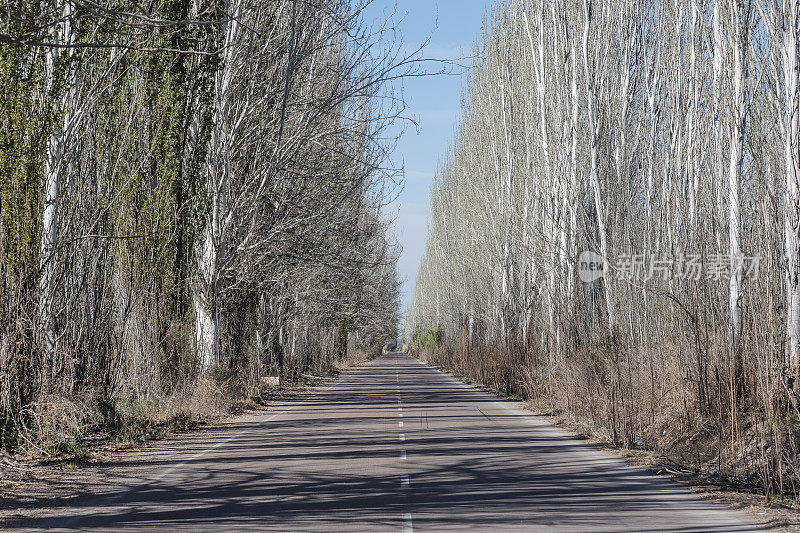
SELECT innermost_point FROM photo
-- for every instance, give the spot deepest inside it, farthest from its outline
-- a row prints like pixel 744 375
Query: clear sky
pixel 434 102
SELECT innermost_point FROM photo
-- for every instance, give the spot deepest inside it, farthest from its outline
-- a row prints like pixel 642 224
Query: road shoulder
pixel 29 486
pixel 771 515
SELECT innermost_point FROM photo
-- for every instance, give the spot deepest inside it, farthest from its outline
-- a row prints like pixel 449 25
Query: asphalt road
pixel 390 446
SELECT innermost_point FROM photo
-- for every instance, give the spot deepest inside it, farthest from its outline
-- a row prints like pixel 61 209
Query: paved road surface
pixel 390 446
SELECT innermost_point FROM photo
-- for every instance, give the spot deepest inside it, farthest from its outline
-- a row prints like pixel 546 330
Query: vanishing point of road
pixel 393 445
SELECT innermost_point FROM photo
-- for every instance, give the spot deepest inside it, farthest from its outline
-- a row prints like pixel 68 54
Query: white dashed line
pixel 409 526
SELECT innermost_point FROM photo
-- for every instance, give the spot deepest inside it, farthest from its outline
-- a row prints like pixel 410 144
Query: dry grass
pixel 68 429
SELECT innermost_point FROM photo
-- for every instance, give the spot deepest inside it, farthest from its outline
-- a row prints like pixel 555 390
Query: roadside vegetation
pixel 191 200
pixel 664 138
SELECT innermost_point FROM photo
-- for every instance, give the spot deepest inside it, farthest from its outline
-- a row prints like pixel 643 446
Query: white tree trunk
pixel 717 111
pixel 594 178
pixel 207 326
pixel 792 155
pixel 56 161
pixel 211 251
pixel 573 173
pixel 739 26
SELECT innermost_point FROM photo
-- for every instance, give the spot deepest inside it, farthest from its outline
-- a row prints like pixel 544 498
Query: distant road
pixel 391 446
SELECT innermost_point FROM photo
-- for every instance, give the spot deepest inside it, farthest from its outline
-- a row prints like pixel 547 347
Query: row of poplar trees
pixel 188 185
pixel 662 136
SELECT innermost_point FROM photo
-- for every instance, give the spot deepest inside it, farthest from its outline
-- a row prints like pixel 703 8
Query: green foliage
pixel 24 126
pixel 428 339
pixel 10 436
pixel 71 445
pixel 130 127
pixel 22 141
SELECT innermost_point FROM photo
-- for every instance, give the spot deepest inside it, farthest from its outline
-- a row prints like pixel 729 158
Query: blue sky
pixel 434 102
